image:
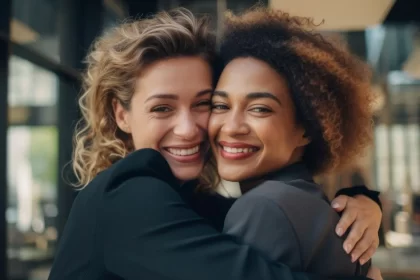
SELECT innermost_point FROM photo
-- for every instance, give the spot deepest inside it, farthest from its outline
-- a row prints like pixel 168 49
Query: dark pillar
pixel 80 22
pixel 5 15
pixel 142 8
pixel 403 12
pixel 357 43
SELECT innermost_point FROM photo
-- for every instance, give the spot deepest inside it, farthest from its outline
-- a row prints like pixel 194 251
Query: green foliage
pixel 44 154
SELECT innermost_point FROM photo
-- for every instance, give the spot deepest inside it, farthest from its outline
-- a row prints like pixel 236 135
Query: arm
pixel 361 209
pixel 151 231
pixel 361 190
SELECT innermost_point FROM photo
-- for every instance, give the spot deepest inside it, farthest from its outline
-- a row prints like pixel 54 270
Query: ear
pixel 304 139
pixel 121 116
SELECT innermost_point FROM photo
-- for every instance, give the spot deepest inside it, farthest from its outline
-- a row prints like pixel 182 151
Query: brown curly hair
pixel 113 67
pixel 330 87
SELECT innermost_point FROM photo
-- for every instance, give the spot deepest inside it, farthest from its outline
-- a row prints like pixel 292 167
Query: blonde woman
pixel 145 109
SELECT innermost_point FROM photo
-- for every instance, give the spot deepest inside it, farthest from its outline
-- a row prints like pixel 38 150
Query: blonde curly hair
pixel 113 66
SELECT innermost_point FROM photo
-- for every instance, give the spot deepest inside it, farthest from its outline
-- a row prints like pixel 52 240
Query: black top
pixel 131 222
pixel 288 218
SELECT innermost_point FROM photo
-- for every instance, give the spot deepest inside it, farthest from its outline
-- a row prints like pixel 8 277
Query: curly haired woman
pixel 146 106
pixel 289 105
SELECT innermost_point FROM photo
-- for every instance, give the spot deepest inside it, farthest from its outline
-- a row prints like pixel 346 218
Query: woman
pixel 145 110
pixel 288 105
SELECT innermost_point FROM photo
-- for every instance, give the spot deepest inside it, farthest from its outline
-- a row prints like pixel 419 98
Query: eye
pixel 204 103
pixel 161 109
pixel 261 110
pixel 219 107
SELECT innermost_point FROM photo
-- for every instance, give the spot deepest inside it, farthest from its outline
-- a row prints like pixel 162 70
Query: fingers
pixel 363 220
pixel 346 220
pixel 354 237
pixel 374 273
pixel 340 202
pixel 368 254
pixel 364 246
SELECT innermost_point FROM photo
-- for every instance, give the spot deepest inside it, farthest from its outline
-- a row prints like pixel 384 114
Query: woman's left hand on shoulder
pixel 363 217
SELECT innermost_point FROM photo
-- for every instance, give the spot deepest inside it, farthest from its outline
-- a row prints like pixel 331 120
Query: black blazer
pixel 131 222
pixel 288 218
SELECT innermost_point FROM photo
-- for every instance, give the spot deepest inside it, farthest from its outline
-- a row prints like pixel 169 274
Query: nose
pixel 187 127
pixel 235 124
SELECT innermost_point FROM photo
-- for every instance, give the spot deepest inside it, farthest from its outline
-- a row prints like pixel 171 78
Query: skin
pixel 166 112
pixel 253 131
pixel 171 115
pixel 253 111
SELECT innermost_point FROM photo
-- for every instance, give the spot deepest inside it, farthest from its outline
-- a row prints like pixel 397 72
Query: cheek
pixel 264 130
pixel 274 135
pixel 149 133
pixel 215 123
pixel 202 119
pixel 280 140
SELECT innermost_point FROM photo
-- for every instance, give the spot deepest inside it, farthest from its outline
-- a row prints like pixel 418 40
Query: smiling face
pixel 253 130
pixel 169 112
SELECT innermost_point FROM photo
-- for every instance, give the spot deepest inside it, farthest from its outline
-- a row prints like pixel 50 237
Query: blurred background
pixel 43 44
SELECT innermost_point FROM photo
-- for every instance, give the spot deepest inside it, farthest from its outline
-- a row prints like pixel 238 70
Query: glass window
pixel 32 168
pixel 393 52
pixel 35 25
pixel 30 85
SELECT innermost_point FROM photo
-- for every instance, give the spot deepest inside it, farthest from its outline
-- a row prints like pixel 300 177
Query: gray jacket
pixel 288 218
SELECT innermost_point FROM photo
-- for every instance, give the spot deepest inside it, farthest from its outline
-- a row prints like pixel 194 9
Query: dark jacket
pixel 131 222
pixel 288 218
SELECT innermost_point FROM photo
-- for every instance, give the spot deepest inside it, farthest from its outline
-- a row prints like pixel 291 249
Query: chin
pixel 232 175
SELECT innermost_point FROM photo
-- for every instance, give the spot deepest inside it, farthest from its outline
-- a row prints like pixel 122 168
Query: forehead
pixel 251 74
pixel 181 76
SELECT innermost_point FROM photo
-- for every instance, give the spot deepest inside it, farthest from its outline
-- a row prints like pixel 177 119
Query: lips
pixel 184 151
pixel 185 154
pixel 236 151
pixel 239 150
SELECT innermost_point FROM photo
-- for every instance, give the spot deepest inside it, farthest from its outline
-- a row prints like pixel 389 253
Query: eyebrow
pixel 175 97
pixel 251 95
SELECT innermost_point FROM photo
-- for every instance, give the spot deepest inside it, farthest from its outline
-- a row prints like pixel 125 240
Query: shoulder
pixel 255 208
pixel 290 196
pixel 141 183
pixel 301 209
pixel 257 212
pixel 255 202
pixel 261 222
pixel 141 163
pixel 142 173
pixel 302 204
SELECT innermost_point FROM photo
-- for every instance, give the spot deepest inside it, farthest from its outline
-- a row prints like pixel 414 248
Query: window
pixel 32 144
pixel 34 24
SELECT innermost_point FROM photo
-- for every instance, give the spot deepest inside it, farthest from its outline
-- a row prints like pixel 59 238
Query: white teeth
pixel 239 150
pixel 184 152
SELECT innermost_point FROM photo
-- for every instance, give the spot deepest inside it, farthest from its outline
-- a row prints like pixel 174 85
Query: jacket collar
pixel 296 171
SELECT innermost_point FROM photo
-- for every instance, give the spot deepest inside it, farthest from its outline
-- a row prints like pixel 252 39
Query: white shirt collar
pixel 229 189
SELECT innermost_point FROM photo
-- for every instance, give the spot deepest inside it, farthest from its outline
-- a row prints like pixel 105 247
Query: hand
pixel 364 216
pixel 374 273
